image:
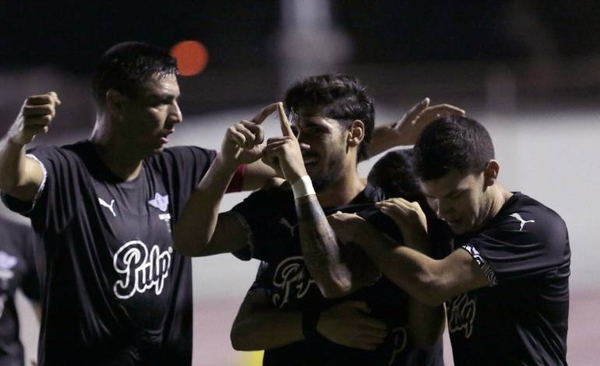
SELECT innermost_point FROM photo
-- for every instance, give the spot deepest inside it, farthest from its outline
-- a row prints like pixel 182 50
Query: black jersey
pixel 522 317
pixel 19 269
pixel 116 291
pixel 272 218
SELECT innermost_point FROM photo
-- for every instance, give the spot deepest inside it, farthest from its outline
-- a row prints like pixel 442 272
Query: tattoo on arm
pixel 319 247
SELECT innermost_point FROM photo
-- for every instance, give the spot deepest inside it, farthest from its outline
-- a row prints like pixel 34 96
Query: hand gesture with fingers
pixel 283 153
pixel 35 117
pixel 242 142
pixel 409 127
pixel 349 324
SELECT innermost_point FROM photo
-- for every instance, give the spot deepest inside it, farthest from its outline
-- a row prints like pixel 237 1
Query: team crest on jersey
pixel 461 314
pixel 160 202
pixel 141 269
pixel 7 263
pixel 292 281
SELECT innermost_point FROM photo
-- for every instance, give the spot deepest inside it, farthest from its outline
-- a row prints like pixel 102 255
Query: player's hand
pixel 35 117
pixel 283 153
pixel 408 128
pixel 349 324
pixel 243 141
pixel 346 226
pixel 409 217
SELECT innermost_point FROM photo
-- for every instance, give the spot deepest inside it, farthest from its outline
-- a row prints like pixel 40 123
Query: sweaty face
pixel 460 200
pixel 323 144
pixel 150 117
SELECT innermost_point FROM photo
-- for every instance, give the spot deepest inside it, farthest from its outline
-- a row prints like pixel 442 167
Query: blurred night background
pixel 528 69
pixel 256 48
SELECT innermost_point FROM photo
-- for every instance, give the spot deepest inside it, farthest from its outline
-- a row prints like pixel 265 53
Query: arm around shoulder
pixel 428 280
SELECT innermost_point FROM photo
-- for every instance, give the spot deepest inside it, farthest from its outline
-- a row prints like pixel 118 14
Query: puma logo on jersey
pixel 160 202
pixel 523 222
pixel 141 269
pixel 283 221
pixel 110 207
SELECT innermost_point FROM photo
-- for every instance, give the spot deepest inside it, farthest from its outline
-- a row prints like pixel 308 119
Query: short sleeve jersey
pixel 522 317
pixel 19 269
pixel 116 291
pixel 272 219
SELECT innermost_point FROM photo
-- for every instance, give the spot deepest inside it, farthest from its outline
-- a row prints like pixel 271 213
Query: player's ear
pixel 490 173
pixel 115 101
pixel 356 133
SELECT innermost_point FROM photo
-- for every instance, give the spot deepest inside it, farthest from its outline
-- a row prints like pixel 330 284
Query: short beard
pixel 324 181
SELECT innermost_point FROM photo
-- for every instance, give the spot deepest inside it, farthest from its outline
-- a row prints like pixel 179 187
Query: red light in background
pixel 191 56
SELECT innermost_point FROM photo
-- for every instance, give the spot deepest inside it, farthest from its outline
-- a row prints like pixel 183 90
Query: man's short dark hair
pixel 126 66
pixel 394 174
pixel 452 143
pixel 343 97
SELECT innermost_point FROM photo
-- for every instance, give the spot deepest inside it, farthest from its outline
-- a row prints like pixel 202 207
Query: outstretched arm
pixel 407 129
pixel 200 229
pixel 21 176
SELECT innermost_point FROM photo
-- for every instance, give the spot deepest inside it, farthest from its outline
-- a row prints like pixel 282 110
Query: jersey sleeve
pixel 383 223
pixel 271 219
pixel 52 206
pixel 250 213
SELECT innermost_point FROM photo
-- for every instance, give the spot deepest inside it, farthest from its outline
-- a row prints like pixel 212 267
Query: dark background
pixel 479 54
pixel 72 34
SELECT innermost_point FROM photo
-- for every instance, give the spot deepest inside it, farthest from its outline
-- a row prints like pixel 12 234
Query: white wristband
pixel 303 187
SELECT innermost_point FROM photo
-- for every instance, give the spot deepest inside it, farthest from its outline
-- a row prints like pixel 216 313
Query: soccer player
pixel 505 280
pixel 332 123
pixel 116 293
